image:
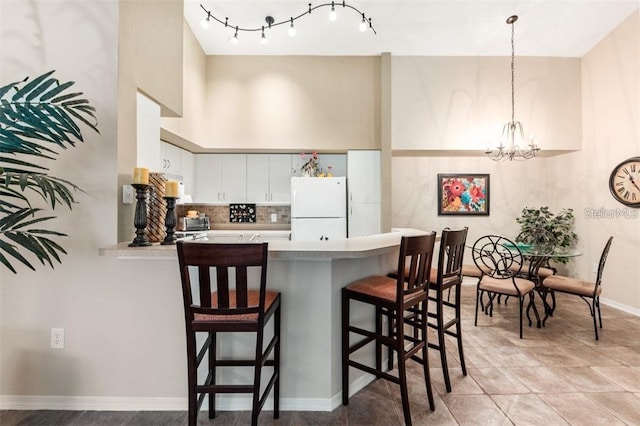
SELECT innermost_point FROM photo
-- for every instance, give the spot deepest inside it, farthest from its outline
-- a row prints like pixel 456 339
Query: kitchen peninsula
pixel 310 275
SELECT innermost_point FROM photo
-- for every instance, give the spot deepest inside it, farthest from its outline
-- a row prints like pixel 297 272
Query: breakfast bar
pixel 310 276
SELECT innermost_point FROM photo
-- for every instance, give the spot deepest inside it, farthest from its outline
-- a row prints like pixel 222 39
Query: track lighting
pixel 205 22
pixel 292 29
pixel 263 39
pixel 234 39
pixel 333 15
pixel 364 24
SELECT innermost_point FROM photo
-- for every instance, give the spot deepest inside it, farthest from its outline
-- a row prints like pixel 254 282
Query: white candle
pixel 171 188
pixel 141 175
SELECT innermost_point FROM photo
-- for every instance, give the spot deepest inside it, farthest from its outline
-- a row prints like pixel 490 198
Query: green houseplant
pixel 561 225
pixel 37 119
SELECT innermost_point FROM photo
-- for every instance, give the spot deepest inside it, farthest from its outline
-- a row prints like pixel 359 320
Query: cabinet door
pixel 188 175
pixel 280 178
pixel 363 176
pixel 258 178
pixel 148 146
pixel 208 179
pixel 364 219
pixel 234 178
pixel 172 159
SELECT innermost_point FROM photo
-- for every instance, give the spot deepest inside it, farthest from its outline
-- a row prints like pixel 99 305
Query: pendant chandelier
pixel 512 132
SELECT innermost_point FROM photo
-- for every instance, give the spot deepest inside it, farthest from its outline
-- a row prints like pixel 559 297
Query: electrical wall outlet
pixel 127 194
pixel 274 217
pixel 57 338
pixel 595 268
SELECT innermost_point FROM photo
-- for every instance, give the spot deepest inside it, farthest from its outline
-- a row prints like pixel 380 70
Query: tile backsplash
pixel 219 214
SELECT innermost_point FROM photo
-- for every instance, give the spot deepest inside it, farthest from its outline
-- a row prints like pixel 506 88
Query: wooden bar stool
pixel 447 276
pixel 229 308
pixel 393 298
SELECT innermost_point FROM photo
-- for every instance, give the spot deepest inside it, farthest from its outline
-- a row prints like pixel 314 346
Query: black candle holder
pixel 140 218
pixel 170 221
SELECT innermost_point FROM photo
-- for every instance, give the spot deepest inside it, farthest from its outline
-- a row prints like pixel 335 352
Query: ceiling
pixel 567 28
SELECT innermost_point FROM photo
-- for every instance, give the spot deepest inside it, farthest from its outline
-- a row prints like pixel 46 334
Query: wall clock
pixel 624 182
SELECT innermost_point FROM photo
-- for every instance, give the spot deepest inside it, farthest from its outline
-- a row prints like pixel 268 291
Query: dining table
pixel 537 256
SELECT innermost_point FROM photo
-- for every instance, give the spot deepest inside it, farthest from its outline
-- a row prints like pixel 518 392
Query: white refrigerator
pixel 318 208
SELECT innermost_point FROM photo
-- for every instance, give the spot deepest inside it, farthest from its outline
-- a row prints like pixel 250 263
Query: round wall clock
pixel 624 182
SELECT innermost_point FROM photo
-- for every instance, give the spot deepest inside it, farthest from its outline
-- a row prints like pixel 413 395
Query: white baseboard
pixel 223 402
pixel 620 306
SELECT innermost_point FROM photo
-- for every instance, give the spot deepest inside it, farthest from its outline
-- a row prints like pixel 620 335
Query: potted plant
pixel 37 118
pixel 560 225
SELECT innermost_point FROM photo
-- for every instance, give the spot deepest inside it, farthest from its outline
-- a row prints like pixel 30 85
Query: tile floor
pixel 556 375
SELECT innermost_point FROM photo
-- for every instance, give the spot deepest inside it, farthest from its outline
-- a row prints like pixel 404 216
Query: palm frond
pixel 37 119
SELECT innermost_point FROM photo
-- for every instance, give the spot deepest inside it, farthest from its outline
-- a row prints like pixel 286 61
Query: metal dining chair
pixel 501 261
pixel 586 290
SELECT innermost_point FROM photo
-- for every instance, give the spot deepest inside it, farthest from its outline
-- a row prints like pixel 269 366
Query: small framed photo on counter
pixel 463 194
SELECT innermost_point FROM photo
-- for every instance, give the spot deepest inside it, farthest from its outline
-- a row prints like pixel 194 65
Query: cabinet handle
pixel 266 196
pixel 224 196
pixel 218 196
pixel 169 164
pixel 271 197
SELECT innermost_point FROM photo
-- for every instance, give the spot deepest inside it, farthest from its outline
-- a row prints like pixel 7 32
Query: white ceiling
pixel 567 28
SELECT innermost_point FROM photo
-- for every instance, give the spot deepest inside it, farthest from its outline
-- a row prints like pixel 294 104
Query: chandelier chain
pixel 513 74
pixel 509 149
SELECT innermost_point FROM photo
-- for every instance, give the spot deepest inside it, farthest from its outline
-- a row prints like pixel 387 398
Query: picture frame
pixel 463 194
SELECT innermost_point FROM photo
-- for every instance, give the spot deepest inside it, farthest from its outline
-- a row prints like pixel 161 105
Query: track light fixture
pixel 365 23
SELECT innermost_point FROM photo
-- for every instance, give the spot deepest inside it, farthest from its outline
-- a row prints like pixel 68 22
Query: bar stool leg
pixel 345 348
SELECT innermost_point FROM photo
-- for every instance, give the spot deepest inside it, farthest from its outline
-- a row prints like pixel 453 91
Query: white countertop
pixel 279 248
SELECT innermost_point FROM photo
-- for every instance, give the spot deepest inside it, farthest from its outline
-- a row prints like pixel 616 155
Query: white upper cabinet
pixel 187 165
pixel 148 134
pixel 171 158
pixel 363 176
pixel 220 178
pixel 363 182
pixel 268 178
pixel 257 178
pixel 280 178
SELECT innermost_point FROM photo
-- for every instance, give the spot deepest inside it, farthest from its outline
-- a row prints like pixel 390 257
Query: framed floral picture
pixel 463 194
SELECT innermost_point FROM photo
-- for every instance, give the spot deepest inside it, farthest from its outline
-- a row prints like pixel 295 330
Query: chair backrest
pixel 497 256
pixel 414 265
pixel 603 259
pixel 450 257
pixel 227 261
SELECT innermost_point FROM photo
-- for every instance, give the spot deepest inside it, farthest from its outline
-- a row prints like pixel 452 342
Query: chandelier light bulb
pixel 363 24
pixel 234 39
pixel 205 23
pixel 292 29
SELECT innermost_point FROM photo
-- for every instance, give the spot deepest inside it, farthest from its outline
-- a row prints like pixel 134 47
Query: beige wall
pixel 114 311
pixel 148 31
pixel 461 103
pixel 113 353
pixel 189 130
pixel 292 103
pixel 611 133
